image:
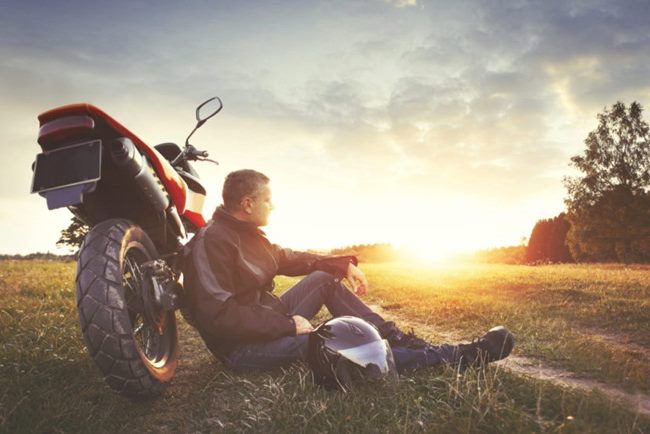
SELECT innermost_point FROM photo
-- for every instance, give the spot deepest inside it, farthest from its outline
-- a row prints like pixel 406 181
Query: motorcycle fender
pixel 68 196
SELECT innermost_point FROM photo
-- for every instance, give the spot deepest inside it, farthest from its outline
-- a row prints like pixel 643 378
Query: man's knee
pixel 326 283
pixel 323 276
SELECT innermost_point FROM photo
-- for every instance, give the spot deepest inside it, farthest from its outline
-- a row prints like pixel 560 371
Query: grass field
pixel 587 325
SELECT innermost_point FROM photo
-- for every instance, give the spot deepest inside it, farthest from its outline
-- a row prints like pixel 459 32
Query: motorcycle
pixel 141 203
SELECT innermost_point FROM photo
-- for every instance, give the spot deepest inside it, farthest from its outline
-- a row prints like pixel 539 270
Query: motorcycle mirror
pixel 205 111
pixel 208 108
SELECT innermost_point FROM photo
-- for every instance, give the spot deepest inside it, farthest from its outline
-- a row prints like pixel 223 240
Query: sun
pixel 424 253
pixel 429 254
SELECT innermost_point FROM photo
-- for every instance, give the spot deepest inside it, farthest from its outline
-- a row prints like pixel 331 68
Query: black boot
pixel 397 338
pixel 496 344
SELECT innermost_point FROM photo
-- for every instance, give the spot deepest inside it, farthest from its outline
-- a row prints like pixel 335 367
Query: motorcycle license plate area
pixel 64 167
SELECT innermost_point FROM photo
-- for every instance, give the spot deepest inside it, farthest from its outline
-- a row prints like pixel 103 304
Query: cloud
pixel 486 94
pixel 402 3
pixel 593 53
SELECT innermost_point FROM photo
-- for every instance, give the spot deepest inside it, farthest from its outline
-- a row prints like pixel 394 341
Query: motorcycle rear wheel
pixel 136 355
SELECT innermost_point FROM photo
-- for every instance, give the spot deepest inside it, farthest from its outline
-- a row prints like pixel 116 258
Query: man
pixel 229 271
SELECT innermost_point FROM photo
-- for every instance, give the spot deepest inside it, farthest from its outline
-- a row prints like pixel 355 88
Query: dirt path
pixel 619 340
pixel 536 369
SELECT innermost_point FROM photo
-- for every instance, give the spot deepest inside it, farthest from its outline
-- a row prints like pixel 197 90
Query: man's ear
pixel 247 205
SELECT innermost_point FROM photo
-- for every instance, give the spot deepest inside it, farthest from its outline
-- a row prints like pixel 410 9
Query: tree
pixel 73 235
pixel 609 204
pixel 547 241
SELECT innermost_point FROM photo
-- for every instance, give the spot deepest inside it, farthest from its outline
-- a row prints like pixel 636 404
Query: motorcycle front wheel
pixel 136 351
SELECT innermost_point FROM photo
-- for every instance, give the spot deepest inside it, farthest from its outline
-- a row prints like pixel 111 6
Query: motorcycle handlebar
pixel 190 153
pixel 194 153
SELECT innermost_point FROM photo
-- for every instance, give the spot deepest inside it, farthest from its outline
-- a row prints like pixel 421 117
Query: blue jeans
pixel 305 299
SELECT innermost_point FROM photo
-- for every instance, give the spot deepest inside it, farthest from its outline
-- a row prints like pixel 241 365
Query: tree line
pixel 38 256
pixel 381 252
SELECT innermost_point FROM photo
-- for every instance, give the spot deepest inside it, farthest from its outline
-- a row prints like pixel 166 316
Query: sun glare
pixel 427 231
pixel 425 253
pixel 441 242
pixel 428 252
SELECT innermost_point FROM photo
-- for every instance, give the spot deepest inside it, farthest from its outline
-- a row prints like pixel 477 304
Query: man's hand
pixel 357 280
pixel 303 326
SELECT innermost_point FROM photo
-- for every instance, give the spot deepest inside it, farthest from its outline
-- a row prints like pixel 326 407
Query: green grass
pixel 49 384
pixel 554 311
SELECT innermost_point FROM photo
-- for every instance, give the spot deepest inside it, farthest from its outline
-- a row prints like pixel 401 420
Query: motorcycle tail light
pixel 64 129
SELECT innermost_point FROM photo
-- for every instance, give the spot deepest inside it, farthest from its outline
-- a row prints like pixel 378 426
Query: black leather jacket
pixel 228 274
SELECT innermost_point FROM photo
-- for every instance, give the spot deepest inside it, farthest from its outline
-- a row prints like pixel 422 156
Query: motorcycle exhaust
pixel 129 160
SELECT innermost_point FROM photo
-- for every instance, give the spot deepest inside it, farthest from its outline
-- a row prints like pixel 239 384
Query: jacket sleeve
pixel 292 263
pixel 218 311
pixel 336 265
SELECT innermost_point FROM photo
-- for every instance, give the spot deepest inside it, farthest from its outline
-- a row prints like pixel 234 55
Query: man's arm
pixel 292 263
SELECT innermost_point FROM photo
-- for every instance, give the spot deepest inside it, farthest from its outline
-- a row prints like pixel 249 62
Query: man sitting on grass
pixel 229 271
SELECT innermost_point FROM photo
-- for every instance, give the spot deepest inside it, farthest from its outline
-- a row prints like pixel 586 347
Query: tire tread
pixel 103 316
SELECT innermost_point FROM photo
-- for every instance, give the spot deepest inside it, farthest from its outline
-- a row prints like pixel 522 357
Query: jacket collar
pixel 222 216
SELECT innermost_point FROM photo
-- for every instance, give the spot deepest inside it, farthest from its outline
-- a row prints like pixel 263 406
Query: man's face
pixel 261 206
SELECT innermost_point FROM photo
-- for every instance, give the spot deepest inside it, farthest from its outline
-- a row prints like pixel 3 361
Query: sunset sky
pixel 436 125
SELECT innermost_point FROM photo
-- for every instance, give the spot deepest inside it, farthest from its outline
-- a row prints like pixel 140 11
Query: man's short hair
pixel 245 182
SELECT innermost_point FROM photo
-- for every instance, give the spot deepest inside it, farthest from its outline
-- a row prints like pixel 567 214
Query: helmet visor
pixel 377 353
pixel 366 363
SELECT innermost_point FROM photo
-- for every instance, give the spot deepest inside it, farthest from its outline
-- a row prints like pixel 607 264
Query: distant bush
pixel 502 255
pixel 39 256
pixel 369 252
